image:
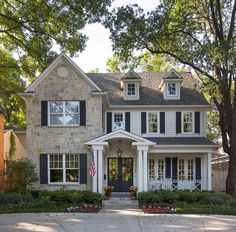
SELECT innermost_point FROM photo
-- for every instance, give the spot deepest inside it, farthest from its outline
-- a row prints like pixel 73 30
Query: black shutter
pixel 44 113
pixel 143 122
pixel 178 122
pixel 197 122
pixel 43 168
pixel 127 121
pixel 109 122
pixel 198 173
pixel 82 113
pixel 162 122
pixel 174 172
pixel 83 168
pixel 168 167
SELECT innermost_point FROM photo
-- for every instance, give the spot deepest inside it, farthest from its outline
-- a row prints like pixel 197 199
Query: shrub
pixel 232 203
pixel 13 198
pixel 212 200
pixel 20 174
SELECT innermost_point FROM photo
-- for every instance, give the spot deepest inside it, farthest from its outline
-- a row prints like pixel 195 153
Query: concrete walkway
pixel 114 220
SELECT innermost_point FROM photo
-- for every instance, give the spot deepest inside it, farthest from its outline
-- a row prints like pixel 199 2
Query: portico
pixel 119 169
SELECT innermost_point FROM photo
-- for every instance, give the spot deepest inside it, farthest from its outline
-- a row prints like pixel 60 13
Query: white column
pixel 209 171
pixel 140 170
pixel 100 171
pixel 145 173
pixel 95 177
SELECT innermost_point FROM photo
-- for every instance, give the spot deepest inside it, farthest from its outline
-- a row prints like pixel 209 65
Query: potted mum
pixel 133 189
pixel 108 190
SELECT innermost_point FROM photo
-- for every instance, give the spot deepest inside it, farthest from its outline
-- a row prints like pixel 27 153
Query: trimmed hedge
pixel 14 198
pixel 184 197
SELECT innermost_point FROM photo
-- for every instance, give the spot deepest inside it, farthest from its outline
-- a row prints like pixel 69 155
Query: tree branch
pixel 232 23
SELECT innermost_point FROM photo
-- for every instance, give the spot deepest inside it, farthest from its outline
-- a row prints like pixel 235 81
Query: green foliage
pixel 212 200
pixel 12 149
pixel 20 174
pixel 13 198
pixel 96 70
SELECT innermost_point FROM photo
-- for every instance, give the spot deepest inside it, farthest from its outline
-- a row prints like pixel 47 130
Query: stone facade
pixel 58 139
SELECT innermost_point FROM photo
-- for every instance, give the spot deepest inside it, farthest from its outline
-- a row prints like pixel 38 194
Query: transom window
pixel 187 122
pixel 152 122
pixel 151 165
pixel 171 89
pixel 63 168
pixel 63 113
pixel 131 89
pixel 118 121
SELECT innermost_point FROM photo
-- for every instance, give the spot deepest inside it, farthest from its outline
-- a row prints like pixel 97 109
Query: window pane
pixel 152 169
pixel 56 175
pixel 152 122
pixel 181 169
pixel 188 122
pixel 72 119
pixel 131 89
pixel 56 107
pixel 72 107
pixel 172 89
pixel 160 169
pixel 118 121
pixel 190 169
pixel 72 175
pixel 56 119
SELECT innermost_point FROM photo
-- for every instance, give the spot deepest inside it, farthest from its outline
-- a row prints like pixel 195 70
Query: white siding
pixel 135 122
pixel 170 125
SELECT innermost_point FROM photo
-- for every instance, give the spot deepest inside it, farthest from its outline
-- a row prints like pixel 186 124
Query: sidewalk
pixel 114 220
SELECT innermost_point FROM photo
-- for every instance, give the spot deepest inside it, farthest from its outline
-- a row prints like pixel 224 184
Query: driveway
pixel 114 220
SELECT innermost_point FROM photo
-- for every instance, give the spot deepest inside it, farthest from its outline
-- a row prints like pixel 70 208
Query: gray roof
pixel 181 141
pixel 149 92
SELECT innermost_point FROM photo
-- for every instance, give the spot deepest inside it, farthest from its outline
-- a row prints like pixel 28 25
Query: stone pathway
pixel 116 220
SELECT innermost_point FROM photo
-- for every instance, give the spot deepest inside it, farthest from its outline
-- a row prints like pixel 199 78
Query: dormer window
pixel 171 89
pixel 131 89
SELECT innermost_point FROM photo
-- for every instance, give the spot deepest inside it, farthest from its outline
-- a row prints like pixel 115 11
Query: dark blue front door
pixel 120 173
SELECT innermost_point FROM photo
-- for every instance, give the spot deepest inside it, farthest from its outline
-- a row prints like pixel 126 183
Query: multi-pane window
pixel 190 169
pixel 152 122
pixel 151 169
pixel 130 89
pixel 187 122
pixel 181 169
pixel 160 169
pixel 171 89
pixel 64 168
pixel 63 113
pixel 118 121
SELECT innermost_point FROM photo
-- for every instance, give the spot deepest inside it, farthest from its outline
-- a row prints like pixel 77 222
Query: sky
pixel 98 47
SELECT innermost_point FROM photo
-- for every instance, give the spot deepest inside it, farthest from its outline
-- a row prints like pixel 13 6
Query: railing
pixel 171 184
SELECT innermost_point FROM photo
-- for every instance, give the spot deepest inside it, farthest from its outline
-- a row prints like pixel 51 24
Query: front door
pixel 120 173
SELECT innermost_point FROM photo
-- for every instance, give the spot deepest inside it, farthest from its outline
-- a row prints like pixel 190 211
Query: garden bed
pixel 185 202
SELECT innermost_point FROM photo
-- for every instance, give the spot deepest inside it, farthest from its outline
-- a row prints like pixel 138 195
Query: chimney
pixel 2 176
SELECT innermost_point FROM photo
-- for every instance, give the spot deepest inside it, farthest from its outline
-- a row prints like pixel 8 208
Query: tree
pixel 200 34
pixel 29 30
pixel 20 174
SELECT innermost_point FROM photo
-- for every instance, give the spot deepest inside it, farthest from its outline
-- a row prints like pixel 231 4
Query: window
pixel 131 90
pixel 160 169
pixel 63 113
pixel 187 122
pixel 64 168
pixel 152 122
pixel 171 89
pixel 181 169
pixel 190 169
pixel 151 169
pixel 118 121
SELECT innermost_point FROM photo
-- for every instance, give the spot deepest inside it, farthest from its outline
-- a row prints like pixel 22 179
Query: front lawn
pixel 185 202
pixel 45 201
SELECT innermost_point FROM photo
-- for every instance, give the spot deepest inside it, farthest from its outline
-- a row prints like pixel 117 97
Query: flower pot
pixel 107 195
pixel 133 196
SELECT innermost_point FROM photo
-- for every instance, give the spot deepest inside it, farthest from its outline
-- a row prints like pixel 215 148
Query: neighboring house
pixel 20 149
pixel 2 174
pixel 220 168
pixel 144 129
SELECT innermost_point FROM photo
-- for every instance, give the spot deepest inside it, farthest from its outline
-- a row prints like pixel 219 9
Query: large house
pixel 144 129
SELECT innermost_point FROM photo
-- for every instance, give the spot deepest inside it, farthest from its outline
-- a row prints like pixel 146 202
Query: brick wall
pixel 1 152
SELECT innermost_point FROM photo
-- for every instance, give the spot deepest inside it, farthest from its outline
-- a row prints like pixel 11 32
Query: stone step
pixel 120 203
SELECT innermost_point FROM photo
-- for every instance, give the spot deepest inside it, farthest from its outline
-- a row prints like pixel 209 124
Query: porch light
pixel 119 151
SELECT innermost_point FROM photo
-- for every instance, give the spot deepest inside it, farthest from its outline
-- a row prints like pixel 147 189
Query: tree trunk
pixel 231 178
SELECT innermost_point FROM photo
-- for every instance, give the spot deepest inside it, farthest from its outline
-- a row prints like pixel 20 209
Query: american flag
pixel 92 166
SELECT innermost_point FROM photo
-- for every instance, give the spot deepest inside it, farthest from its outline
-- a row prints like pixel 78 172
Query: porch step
pixel 120 202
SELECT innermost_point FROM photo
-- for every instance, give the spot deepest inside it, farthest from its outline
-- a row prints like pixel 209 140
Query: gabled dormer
pixel 170 85
pixel 130 84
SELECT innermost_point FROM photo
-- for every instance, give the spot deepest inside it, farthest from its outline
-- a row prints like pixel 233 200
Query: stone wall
pixel 57 139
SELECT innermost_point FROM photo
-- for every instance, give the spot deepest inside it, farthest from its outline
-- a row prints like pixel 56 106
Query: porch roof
pixel 119 134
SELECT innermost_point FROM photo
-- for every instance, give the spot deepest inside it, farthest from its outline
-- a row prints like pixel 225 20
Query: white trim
pixel 127 74
pixel 160 106
pixel 43 75
pixel 158 123
pixel 175 72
